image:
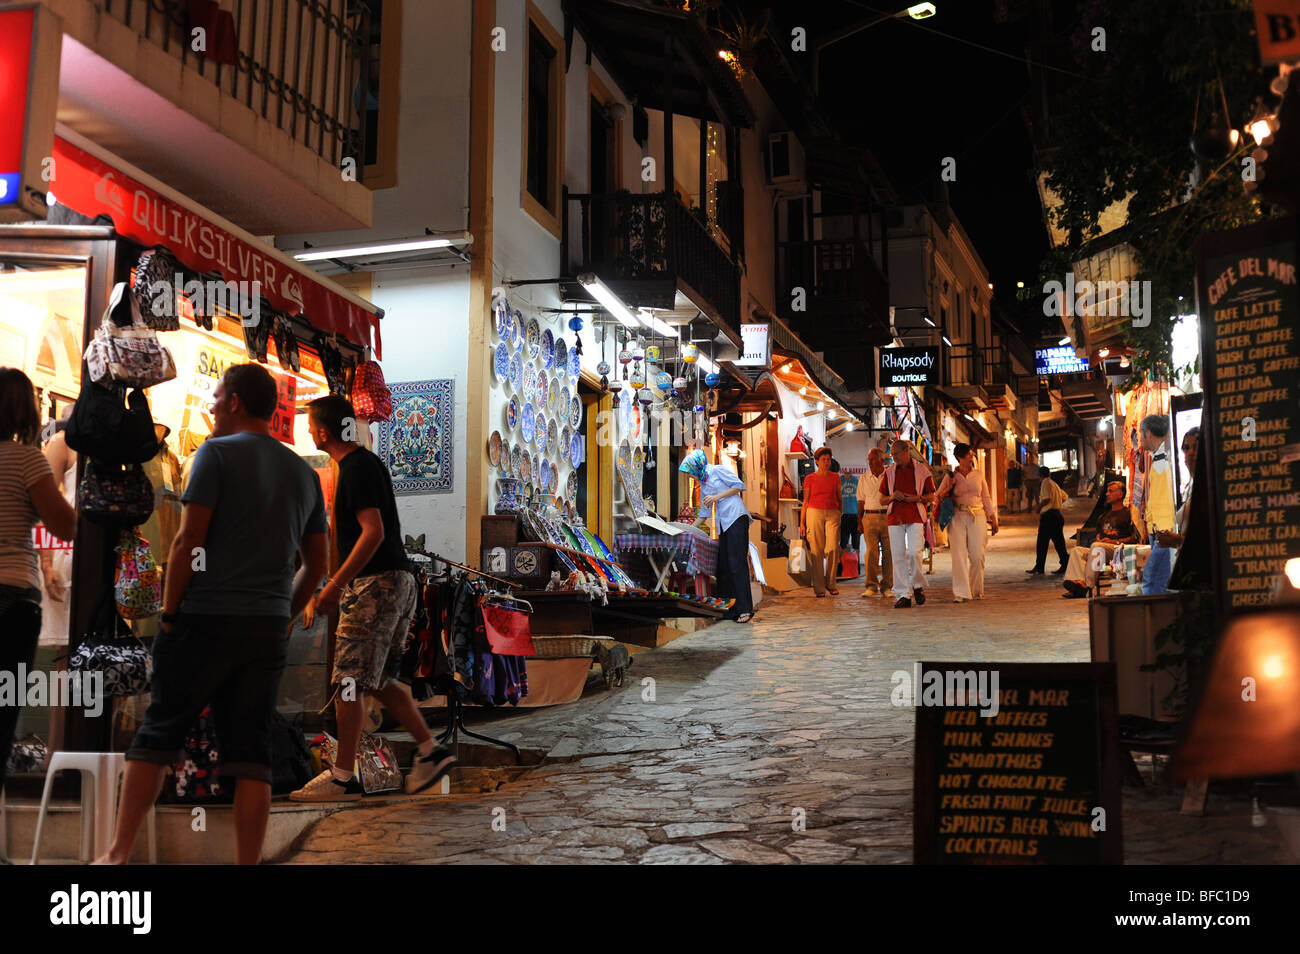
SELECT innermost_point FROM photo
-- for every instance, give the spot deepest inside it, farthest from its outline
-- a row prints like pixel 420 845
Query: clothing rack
pixel 455 705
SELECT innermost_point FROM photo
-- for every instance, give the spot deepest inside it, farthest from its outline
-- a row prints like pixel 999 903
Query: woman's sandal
pixel 744 617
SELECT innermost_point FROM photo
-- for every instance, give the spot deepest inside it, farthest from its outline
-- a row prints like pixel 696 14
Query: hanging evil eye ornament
pixel 602 368
pixel 575 324
pixel 712 379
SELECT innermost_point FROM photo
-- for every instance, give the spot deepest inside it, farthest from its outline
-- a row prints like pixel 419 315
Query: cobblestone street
pixel 753 727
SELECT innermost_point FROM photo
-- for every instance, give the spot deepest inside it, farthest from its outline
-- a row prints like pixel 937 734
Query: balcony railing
pixel 964 365
pixel 834 273
pixel 641 245
pixel 303 65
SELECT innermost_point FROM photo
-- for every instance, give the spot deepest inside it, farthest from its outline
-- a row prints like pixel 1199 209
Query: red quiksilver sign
pixel 93 187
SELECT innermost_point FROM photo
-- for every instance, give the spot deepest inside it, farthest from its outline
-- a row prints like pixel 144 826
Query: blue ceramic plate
pixel 544 475
pixel 575 412
pixel 539 425
pixel 501 363
pixel 512 413
pixel 543 391
pixel 561 354
pixel 533 338
pixel 552 434
pixel 516 372
pixel 548 349
pixel 575 365
pixel 526 468
pixel 516 329
pixel 575 451
pixel 516 457
pixel 530 382
pixel 500 311
pixel 526 421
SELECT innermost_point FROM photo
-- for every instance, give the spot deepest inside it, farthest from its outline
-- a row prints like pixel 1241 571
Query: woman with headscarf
pixel 722 490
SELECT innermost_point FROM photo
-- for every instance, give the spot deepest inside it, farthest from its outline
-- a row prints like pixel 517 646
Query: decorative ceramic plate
pixel 575 366
pixel 533 338
pixel 543 391
pixel 561 354
pixel 517 329
pixel 530 382
pixel 544 474
pixel 539 429
pixel 526 420
pixel 575 412
pixel 548 349
pixel 512 413
pixel 553 397
pixel 571 488
pixel 494 448
pixel 511 336
pixel 552 433
pixel 565 395
pixel 501 363
pixel 500 311
pixel 575 451
pixel 516 373
pixel 566 441
pixel 638 457
pixel 526 467
pixel 516 460
pixel 530 493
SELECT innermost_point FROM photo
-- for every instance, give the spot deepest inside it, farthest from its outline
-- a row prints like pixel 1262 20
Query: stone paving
pixel 754 731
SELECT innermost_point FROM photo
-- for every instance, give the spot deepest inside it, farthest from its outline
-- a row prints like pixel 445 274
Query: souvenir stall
pixel 536 536
pixel 146 264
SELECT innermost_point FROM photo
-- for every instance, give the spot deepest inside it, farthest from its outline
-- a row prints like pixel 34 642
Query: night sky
pixel 914 97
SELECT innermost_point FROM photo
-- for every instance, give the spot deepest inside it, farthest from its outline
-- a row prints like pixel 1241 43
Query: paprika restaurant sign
pixel 144 215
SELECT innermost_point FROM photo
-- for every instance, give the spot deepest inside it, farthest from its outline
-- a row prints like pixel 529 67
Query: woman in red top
pixel 819 523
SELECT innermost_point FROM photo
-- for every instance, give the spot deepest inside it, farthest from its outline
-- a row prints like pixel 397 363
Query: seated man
pixel 1115 530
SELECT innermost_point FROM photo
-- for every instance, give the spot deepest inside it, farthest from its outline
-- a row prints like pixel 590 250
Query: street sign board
pixel 30 42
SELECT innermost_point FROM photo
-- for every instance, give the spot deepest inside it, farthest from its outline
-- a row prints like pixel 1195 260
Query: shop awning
pixel 144 210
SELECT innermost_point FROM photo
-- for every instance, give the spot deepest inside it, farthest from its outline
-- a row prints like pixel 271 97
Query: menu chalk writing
pixel 1250 355
pixel 1025 770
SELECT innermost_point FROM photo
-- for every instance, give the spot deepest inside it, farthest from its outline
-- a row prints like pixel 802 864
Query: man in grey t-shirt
pixel 251 507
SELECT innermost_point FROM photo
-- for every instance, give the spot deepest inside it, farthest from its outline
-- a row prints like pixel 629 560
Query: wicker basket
pixel 556 647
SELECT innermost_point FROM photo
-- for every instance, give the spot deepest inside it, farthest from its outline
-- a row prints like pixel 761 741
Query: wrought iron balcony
pixel 647 248
pixel 303 65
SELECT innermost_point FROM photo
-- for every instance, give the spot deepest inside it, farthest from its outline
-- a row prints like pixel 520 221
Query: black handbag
pixel 126 665
pixel 115 494
pixel 112 433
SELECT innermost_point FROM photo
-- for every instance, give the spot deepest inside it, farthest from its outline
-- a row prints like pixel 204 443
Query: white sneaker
pixel 428 769
pixel 326 788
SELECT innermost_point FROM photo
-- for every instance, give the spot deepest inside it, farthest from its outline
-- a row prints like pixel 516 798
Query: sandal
pixel 833 592
pixel 744 617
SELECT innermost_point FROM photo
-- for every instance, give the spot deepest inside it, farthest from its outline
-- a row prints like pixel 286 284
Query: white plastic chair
pixel 98 801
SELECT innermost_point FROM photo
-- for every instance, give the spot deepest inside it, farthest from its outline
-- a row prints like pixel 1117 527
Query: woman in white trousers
pixel 968 534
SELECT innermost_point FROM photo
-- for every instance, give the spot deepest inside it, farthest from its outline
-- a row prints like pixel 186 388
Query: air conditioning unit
pixel 786 169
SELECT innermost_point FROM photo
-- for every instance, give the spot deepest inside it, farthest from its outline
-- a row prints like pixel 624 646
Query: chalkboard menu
pixel 1024 771
pixel 1249 305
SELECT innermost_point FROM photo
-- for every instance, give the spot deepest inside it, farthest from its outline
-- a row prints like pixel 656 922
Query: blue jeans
pixel 1155 575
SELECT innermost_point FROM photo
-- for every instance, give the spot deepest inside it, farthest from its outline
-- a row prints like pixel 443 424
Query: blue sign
pixel 1060 360
pixel 8 188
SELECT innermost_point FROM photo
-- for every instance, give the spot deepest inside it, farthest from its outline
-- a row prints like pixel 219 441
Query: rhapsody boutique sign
pixel 897 367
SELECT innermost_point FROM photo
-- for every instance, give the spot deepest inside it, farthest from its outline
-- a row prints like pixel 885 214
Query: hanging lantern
pixel 638 378
pixel 652 353
pixel 663 380
pixel 679 383
pixel 625 356
pixel 646 396
pixel 690 353
pixel 603 368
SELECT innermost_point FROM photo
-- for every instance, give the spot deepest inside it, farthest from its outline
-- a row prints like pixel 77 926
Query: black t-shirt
pixel 1116 524
pixel 364 483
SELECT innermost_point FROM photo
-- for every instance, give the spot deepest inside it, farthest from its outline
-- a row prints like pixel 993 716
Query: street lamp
pixel 917 11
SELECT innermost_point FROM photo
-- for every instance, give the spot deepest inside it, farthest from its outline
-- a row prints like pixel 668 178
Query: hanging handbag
pixel 125 349
pixel 126 665
pixel 507 630
pixel 154 289
pixel 196 775
pixel 370 395
pixel 103 428
pixel 137 583
pixel 115 494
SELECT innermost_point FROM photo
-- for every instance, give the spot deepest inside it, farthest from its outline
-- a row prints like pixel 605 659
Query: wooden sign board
pixel 1277 27
pixel 1249 305
pixel 1035 782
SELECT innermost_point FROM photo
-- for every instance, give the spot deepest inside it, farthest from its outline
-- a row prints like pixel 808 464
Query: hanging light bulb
pixel 803 390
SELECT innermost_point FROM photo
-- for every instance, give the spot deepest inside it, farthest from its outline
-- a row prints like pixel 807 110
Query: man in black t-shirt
pixel 1115 529
pixel 374 592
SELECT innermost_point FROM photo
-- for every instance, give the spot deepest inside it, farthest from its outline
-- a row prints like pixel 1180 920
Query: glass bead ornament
pixel 712 379
pixel 663 380
pixel 652 353
pixel 603 368
pixel 625 356
pixel 690 353
pixel 637 380
pixel 679 383
pixel 575 323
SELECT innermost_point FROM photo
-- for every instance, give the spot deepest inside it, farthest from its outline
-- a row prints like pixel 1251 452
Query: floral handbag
pixel 138 583
pixel 370 395
pixel 115 494
pixel 125 349
pixel 125 664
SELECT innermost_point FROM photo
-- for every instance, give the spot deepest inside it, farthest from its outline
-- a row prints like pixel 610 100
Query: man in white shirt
pixel 873 526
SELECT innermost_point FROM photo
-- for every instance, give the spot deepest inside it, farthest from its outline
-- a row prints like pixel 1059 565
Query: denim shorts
pixel 233 663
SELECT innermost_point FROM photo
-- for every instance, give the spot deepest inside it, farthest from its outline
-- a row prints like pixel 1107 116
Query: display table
pixel 650 557
pixel 628 618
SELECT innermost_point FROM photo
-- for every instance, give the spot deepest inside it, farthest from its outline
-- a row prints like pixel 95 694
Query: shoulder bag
pixel 125 349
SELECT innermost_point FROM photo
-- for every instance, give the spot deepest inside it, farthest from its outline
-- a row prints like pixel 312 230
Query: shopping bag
pixel 138 580
pixel 507 631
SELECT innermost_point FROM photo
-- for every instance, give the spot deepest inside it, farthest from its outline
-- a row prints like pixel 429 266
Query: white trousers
pixel 968 534
pixel 906 544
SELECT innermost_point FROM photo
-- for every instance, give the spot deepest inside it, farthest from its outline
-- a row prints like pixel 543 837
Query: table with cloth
pixel 649 558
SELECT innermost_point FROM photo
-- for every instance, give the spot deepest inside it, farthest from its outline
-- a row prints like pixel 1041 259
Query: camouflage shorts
pixel 374 614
